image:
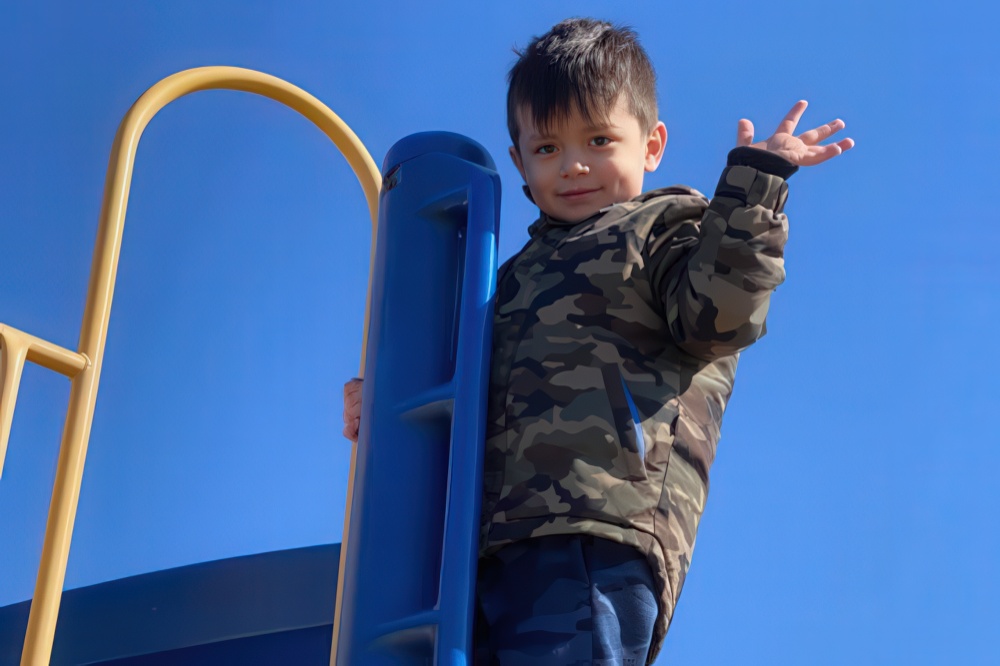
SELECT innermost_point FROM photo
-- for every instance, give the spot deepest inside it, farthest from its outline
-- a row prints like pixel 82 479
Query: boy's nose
pixel 574 167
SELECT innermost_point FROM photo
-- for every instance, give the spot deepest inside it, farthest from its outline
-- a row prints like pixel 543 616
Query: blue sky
pixel 853 516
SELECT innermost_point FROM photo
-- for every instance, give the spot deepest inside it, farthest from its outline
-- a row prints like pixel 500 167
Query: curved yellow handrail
pixel 85 366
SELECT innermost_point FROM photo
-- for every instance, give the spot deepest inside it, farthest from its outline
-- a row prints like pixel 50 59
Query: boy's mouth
pixel 578 193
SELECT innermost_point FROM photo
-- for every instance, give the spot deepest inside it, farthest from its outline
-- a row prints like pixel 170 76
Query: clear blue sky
pixel 853 516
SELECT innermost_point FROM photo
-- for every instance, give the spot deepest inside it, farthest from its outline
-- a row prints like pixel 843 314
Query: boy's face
pixel 577 168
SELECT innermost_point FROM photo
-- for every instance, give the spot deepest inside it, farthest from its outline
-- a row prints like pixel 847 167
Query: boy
pixel 617 330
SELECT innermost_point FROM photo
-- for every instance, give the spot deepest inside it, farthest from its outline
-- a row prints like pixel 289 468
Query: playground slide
pixel 407 565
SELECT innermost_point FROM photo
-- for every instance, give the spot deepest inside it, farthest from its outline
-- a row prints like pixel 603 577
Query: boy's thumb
pixel 744 132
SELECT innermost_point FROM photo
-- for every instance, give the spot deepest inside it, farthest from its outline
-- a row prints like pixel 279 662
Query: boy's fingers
pixel 821 154
pixel 744 132
pixel 814 136
pixel 829 152
pixel 834 149
pixel 352 408
pixel 352 390
pixel 351 432
pixel 787 126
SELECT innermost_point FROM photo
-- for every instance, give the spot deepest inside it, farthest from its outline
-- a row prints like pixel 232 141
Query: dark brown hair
pixel 581 64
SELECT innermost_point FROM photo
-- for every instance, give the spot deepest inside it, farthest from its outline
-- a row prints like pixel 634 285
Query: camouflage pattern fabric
pixel 567 600
pixel 616 341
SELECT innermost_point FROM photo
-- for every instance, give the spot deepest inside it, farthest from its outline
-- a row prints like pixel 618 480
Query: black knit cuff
pixel 762 160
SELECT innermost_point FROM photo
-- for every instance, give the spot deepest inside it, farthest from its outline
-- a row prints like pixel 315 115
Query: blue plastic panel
pixel 414 525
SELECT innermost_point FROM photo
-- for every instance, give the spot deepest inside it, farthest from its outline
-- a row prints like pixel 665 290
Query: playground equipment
pixel 444 189
pixel 411 538
pixel 269 608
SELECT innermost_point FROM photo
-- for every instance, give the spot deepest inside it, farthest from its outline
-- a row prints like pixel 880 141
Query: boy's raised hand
pixel 801 150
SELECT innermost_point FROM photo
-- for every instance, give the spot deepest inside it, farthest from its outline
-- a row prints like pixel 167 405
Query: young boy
pixel 617 330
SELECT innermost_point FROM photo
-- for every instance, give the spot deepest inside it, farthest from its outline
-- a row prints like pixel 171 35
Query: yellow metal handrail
pixel 84 366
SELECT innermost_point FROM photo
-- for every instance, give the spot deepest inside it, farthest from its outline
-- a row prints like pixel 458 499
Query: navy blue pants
pixel 565 600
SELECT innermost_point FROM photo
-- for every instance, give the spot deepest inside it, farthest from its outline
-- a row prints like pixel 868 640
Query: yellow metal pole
pixel 13 352
pixel 16 347
pixel 83 394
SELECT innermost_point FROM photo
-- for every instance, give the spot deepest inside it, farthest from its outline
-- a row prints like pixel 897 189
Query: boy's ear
pixel 515 157
pixel 656 143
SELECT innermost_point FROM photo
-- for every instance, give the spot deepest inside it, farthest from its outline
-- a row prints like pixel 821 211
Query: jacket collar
pixel 546 222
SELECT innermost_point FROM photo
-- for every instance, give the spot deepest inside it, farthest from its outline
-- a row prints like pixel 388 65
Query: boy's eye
pixel 600 141
pixel 546 150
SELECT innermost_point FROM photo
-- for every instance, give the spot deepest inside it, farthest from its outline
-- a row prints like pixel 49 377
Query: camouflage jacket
pixel 615 349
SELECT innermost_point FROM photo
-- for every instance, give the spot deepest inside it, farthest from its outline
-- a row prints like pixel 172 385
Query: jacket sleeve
pixel 714 278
